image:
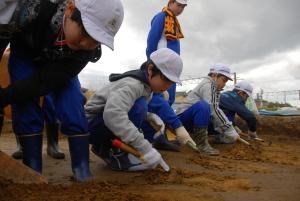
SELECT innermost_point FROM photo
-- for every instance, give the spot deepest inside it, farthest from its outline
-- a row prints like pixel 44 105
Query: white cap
pixel 168 62
pixel 182 1
pixel 221 69
pixel 245 87
pixel 101 19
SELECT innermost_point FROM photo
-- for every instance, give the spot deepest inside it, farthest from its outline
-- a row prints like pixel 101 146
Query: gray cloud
pixel 230 31
pixel 259 39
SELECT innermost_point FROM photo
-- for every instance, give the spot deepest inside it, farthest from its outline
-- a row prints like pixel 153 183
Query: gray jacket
pixel 207 90
pixel 115 100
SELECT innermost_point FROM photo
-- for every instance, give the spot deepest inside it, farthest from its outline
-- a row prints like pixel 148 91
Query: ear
pixel 150 70
pixel 69 8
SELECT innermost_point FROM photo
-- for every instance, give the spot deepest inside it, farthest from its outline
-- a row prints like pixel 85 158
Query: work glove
pixel 183 137
pixel 152 158
pixel 156 122
pixel 230 135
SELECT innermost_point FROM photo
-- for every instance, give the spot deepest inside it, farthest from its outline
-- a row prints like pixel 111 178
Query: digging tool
pixel 17 172
pixel 121 145
pixel 246 135
pixel 172 136
pixel 243 141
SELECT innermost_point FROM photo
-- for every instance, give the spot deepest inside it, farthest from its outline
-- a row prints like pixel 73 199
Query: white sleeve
pixel 212 97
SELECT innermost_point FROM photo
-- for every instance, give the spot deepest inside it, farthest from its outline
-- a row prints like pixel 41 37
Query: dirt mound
pixel 276 125
pixel 205 180
pixel 78 191
pixel 266 170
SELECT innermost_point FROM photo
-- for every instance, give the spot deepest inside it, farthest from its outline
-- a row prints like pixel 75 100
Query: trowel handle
pixel 243 141
pixel 124 147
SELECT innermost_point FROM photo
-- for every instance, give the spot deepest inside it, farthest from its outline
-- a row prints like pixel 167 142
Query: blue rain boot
pixel 18 154
pixel 52 141
pixel 79 151
pixel 32 151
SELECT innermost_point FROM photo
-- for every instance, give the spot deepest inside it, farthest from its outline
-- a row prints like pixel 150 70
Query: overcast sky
pixel 258 39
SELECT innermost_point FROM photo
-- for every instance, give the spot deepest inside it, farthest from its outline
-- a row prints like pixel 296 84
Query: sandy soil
pixel 267 170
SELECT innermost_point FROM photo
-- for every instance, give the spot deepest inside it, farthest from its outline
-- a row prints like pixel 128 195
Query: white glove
pixel 183 136
pixel 252 135
pixel 230 135
pixel 156 122
pixel 152 158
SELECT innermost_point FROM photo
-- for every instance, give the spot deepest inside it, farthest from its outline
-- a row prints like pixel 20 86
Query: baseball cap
pixel 182 1
pixel 101 19
pixel 245 87
pixel 168 62
pixel 221 69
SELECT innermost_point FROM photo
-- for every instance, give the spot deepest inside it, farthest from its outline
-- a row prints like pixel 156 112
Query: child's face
pixel 221 82
pixel 243 95
pixel 176 8
pixel 158 83
pixel 75 36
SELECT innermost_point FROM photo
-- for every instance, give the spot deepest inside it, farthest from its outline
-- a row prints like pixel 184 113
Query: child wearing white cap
pixel 233 102
pixel 202 103
pixel 165 32
pixel 51 41
pixel 118 109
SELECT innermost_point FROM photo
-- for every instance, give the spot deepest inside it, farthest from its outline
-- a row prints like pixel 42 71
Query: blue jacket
pixel 231 103
pixel 157 39
pixel 159 106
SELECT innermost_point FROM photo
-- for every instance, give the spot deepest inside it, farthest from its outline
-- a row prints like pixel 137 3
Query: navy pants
pixel 196 116
pixel 28 118
pixel 49 110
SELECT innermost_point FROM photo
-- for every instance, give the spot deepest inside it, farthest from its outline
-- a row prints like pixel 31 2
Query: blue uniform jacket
pixel 231 103
pixel 155 35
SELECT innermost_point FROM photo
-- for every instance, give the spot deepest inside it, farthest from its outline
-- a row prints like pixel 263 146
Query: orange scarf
pixel 172 26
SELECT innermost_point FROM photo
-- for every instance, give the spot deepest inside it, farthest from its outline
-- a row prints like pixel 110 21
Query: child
pixel 233 102
pixel 202 101
pixel 118 109
pixel 165 32
pixel 51 42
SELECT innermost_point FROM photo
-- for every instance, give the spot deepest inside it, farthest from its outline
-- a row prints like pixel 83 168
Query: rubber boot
pixel 18 154
pixel 79 151
pixel 201 138
pixel 32 151
pixel 52 142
